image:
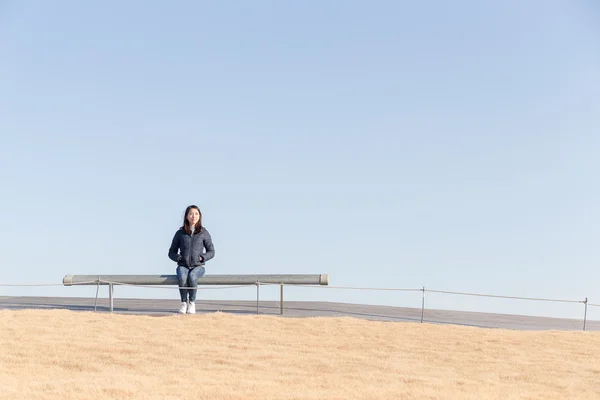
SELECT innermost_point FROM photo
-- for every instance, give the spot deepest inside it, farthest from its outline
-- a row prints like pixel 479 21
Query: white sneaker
pixel 184 307
pixel 191 308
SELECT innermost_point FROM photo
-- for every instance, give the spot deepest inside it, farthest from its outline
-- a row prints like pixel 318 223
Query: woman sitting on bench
pixel 187 250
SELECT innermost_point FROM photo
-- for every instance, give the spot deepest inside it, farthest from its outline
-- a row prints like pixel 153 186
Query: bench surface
pixel 287 279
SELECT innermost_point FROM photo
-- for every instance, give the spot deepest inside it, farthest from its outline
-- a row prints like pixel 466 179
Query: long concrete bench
pixel 133 280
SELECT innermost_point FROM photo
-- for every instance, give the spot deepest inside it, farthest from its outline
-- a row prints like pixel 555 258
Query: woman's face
pixel 193 217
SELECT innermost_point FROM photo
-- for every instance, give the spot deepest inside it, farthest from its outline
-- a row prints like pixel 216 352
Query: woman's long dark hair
pixel 186 223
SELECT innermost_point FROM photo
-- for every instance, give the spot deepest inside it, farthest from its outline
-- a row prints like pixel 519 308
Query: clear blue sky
pixel 452 145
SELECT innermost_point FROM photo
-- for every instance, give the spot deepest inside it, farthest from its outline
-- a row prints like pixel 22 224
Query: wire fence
pixel 258 284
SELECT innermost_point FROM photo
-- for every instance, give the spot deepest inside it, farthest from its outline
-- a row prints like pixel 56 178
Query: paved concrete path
pixel 161 307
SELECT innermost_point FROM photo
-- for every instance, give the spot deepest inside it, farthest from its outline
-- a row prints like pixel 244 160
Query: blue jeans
pixel 188 277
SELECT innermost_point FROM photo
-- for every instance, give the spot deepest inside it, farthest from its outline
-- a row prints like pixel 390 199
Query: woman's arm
pixel 210 248
pixel 173 255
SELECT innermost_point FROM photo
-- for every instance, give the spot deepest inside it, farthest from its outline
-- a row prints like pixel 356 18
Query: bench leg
pixel 96 301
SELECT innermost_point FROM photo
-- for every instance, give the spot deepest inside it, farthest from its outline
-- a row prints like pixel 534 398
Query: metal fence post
pixel 585 313
pixel 281 299
pixel 257 294
pixel 423 304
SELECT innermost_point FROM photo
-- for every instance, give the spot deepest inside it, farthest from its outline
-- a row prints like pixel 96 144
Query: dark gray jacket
pixel 191 248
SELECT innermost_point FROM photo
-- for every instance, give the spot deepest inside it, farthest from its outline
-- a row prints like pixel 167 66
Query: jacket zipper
pixel 191 251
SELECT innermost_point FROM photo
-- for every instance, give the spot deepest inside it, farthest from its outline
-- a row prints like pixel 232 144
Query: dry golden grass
pixel 61 354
